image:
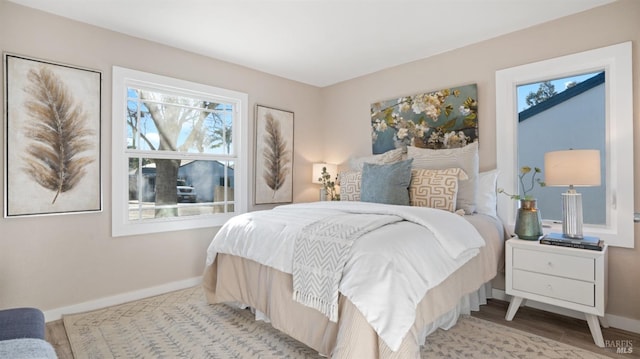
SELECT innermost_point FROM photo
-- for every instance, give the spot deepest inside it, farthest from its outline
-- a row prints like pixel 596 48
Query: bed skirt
pixel 232 279
pixel 242 281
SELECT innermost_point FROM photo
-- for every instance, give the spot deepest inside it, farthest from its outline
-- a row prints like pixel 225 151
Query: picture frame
pixel 273 155
pixel 446 118
pixel 52 138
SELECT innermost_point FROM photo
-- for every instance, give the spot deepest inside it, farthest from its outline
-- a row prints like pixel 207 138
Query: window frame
pixel 122 78
pixel 616 61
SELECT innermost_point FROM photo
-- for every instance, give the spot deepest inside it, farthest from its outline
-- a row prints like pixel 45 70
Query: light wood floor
pixel 563 329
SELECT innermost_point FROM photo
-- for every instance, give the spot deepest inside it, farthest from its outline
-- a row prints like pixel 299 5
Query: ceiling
pixel 318 42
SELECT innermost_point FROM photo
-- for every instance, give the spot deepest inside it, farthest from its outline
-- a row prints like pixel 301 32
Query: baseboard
pixel 615 321
pixel 56 314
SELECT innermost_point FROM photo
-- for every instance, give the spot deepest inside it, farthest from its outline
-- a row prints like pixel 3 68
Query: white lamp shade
pixel 317 171
pixel 579 168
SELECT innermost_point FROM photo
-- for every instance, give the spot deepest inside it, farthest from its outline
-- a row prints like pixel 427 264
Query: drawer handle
pixel 549 287
pixel 550 264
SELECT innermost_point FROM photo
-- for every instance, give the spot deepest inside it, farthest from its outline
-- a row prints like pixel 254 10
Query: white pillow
pixel 465 157
pixel 486 199
pixel 391 156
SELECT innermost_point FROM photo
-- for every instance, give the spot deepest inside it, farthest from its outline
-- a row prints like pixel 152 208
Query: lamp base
pixel 323 194
pixel 572 215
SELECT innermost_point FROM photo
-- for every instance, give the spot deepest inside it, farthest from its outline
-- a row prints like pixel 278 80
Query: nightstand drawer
pixel 555 287
pixel 554 264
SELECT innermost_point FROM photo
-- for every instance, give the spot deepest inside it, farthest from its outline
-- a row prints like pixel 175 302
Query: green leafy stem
pixel 530 183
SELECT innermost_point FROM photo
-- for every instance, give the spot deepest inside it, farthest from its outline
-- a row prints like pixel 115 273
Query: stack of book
pixel 557 239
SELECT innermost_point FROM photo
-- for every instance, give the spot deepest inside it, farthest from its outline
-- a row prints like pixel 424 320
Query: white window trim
pixel 120 225
pixel 616 60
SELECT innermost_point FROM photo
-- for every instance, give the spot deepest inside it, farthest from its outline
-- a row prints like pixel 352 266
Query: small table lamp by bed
pixel 573 168
pixel 317 174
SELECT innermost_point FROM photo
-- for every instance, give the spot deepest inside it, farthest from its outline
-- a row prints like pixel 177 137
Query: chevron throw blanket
pixel 321 251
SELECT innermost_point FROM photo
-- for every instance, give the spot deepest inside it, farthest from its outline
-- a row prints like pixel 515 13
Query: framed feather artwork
pixel 52 138
pixel 274 156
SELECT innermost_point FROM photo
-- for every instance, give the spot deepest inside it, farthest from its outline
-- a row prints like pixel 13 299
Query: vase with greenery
pixel 328 185
pixel 528 220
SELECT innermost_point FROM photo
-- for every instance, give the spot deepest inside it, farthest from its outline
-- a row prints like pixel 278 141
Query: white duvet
pixel 390 269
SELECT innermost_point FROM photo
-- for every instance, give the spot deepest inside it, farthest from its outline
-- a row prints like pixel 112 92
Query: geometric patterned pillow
pixel 435 188
pixel 350 185
pixel 464 157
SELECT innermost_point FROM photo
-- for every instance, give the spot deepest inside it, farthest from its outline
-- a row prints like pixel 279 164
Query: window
pixel 615 62
pixel 570 114
pixel 179 154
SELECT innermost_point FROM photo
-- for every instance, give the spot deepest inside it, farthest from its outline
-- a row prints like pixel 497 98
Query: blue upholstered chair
pixel 22 334
pixel 21 323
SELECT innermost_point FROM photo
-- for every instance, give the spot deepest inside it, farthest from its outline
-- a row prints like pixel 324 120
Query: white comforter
pixel 390 269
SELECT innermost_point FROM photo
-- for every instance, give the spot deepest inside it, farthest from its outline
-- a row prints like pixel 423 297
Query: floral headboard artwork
pixel 447 118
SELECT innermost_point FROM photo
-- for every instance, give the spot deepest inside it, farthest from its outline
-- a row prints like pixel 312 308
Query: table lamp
pixel 317 174
pixel 573 168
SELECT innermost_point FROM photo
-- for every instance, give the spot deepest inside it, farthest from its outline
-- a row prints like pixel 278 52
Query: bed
pixel 413 270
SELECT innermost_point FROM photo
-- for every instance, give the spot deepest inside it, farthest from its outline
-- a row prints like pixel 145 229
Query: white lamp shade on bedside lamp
pixel 572 168
pixel 578 168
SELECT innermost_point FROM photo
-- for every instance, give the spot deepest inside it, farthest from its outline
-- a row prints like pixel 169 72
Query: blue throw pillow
pixel 388 184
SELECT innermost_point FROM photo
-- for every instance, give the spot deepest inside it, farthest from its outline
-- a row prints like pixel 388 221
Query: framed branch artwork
pixel 274 156
pixel 52 138
pixel 446 118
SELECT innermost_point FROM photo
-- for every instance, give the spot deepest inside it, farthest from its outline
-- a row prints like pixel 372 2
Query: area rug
pixel 182 325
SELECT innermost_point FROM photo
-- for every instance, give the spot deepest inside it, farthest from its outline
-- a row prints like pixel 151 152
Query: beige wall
pixel 52 262
pixel 346 105
pixel 56 261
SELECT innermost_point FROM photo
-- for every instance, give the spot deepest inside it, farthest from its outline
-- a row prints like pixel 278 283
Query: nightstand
pixel 566 277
